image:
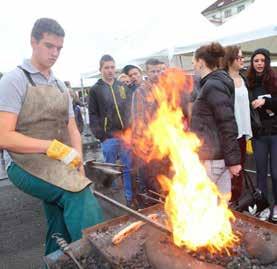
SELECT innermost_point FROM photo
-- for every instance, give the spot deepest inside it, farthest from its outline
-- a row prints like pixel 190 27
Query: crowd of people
pixel 227 109
pixel 39 130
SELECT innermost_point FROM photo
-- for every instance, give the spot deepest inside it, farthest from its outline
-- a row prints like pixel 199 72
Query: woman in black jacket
pixel 263 88
pixel 213 118
pixel 233 62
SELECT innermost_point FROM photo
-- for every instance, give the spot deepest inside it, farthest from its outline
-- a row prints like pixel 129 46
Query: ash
pixel 137 261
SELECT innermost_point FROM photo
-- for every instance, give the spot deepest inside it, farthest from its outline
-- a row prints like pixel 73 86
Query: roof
pixel 218 4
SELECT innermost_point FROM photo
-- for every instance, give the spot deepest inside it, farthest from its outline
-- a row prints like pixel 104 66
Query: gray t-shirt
pixel 13 86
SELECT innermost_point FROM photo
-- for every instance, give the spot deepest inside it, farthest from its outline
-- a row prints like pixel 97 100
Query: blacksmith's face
pixel 47 50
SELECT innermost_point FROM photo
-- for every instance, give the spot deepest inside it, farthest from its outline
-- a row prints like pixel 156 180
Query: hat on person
pixel 262 51
pixel 128 67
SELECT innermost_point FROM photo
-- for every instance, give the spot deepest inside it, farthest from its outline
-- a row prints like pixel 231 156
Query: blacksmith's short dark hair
pixel 105 58
pixel 152 61
pixel 46 25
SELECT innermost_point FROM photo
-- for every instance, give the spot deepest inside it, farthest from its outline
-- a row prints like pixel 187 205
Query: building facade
pixel 222 10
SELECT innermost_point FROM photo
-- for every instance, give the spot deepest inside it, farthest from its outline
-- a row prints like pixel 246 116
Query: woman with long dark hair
pixel 213 118
pixel 233 62
pixel 263 88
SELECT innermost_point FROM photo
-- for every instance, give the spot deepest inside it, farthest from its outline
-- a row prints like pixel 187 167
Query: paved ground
pixel 22 229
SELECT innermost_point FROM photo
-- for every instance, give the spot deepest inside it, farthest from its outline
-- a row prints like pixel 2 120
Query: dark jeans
pixel 237 181
pixel 265 149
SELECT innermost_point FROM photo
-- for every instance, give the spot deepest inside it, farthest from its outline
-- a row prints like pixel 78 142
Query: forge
pixel 149 247
pixel 197 211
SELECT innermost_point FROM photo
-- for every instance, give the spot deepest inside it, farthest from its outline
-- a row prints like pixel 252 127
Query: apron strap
pixel 28 75
pixel 60 87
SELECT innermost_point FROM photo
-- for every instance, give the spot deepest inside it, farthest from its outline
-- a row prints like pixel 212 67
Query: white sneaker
pixel 264 215
pixel 274 213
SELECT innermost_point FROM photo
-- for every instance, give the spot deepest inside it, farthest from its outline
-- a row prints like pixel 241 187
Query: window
pixel 240 8
pixel 227 13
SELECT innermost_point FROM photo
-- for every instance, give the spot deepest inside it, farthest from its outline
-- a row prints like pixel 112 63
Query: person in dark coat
pixel 109 115
pixel 213 118
pixel 263 88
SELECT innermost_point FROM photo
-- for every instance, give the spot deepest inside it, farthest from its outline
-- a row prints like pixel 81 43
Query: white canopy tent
pixel 158 35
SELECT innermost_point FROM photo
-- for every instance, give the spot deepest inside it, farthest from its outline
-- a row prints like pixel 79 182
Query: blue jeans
pixel 265 149
pixel 113 148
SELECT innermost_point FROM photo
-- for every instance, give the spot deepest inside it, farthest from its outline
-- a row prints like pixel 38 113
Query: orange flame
pixel 198 214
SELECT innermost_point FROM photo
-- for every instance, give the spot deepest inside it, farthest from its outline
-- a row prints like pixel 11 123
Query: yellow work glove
pixel 64 153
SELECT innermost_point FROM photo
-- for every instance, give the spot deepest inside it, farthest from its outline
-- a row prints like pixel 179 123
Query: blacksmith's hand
pixel 235 169
pixel 64 153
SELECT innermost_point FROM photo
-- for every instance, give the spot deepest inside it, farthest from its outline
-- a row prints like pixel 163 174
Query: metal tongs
pixel 108 168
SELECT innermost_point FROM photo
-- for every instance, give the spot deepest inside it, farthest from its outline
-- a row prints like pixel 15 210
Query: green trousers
pixel 67 212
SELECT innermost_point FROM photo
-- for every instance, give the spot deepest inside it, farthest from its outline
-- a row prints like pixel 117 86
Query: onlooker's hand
pixel 258 103
pixel 235 169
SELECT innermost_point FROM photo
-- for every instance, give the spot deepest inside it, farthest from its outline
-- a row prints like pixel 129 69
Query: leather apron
pixel 44 115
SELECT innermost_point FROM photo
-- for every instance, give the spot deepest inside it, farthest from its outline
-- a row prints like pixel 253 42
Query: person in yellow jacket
pixel 39 132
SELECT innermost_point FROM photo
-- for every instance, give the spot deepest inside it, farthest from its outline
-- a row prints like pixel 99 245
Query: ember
pixel 124 233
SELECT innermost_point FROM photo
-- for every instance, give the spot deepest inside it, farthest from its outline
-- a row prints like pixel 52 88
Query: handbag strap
pixel 248 182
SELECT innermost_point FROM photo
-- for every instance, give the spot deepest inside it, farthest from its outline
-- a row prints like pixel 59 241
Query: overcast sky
pixel 92 29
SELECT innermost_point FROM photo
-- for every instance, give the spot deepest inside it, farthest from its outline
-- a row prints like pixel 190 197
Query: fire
pixel 198 214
